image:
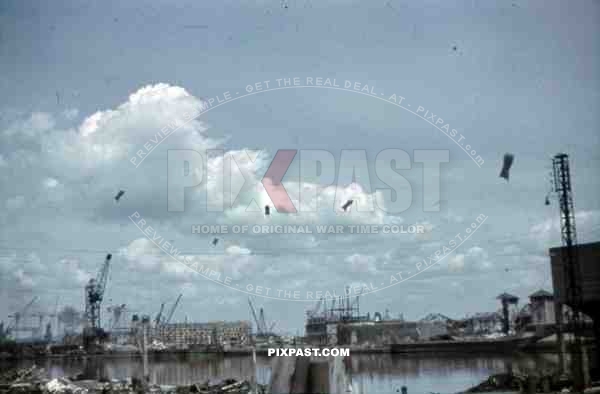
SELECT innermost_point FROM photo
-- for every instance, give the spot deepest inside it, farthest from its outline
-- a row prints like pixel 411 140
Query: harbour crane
pixel 258 325
pixel 172 311
pixel 262 328
pixel 37 332
pixel 263 323
pixel 54 316
pixel 94 293
pixel 157 319
pixel 19 315
pixel 117 312
pixel 315 311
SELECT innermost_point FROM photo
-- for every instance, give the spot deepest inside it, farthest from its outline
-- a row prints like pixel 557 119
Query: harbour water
pixel 381 373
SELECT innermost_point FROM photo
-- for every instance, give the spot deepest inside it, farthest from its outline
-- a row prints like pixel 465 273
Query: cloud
pixel 236 250
pixel 548 231
pixel 70 114
pixel 89 157
pixel 144 254
pixel 73 174
pixel 23 279
pixel 236 262
pixel 510 250
pixel 457 263
pixel 21 272
pixel 478 258
pixel 72 266
pixel 475 258
pixel 427 230
pixel 227 175
pixel 361 263
pixel 50 183
pixel 314 203
pixel 37 123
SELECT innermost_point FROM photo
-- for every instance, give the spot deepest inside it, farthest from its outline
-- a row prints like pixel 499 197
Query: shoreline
pixel 466 348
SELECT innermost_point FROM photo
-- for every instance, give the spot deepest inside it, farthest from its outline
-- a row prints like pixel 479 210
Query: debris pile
pixel 542 383
pixel 226 386
pixel 29 380
pixel 499 382
pixel 35 380
pixel 63 386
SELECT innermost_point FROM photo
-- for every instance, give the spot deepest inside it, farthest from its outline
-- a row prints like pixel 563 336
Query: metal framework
pixel 571 267
pixel 338 309
pixel 16 327
pixel 94 292
pixel 262 328
pixel 173 309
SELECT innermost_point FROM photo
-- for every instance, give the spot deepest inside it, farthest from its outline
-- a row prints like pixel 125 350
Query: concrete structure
pixel 509 310
pixel 523 319
pixel 432 329
pixel 588 256
pixel 540 313
pixel 311 375
pixel 588 259
pixel 182 335
pixel 542 307
pixel 316 331
pixel 483 323
pixel 377 333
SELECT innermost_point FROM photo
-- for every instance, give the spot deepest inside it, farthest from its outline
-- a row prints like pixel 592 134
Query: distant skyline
pixel 86 86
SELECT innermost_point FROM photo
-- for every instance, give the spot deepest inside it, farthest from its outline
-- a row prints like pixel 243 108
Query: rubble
pixel 35 380
pixel 62 386
pixel 542 383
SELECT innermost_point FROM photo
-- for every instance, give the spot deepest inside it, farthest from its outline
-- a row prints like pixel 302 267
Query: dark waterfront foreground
pixel 371 373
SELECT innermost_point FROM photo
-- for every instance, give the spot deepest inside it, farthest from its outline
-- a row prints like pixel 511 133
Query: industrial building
pixel 482 323
pixel 184 335
pixel 577 290
pixel 323 320
pixel 542 307
pixel 339 322
pixel 382 333
pixel 540 312
pixel 588 258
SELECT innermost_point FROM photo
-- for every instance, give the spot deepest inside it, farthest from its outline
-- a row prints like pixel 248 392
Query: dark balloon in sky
pixel 508 161
pixel 119 195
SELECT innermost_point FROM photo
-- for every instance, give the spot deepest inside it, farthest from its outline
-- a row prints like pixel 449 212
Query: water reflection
pixel 441 374
pixel 376 373
pixel 415 365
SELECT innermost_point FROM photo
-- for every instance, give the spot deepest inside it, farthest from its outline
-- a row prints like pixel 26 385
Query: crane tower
pixel 94 291
pixel 572 273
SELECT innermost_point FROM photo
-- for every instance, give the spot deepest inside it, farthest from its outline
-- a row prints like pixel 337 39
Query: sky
pixel 88 85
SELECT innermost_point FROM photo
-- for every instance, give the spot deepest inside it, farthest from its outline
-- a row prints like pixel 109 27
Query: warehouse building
pixel 183 335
